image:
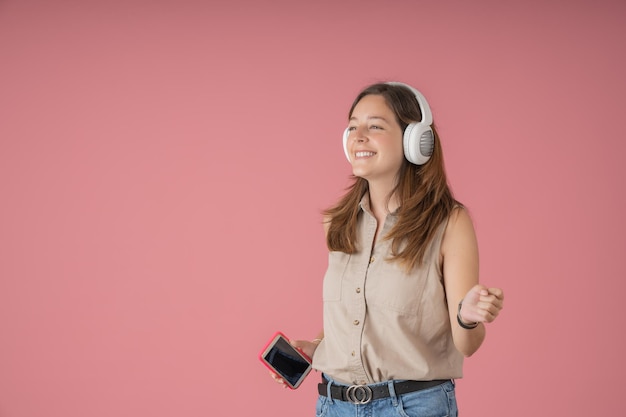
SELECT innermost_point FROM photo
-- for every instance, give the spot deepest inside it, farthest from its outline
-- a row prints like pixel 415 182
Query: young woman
pixel 402 301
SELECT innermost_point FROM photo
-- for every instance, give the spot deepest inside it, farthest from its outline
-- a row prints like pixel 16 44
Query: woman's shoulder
pixel 459 213
pixel 459 228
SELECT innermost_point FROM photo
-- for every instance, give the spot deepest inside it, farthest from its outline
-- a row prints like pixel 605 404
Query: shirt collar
pixel 364 204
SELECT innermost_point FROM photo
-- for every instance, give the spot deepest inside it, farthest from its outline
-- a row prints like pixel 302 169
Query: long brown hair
pixel 423 192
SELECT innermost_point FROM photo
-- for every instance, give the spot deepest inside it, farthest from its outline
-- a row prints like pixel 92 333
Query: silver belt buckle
pixel 359 394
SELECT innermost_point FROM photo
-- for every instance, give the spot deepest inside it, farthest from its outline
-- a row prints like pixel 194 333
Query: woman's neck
pixel 380 203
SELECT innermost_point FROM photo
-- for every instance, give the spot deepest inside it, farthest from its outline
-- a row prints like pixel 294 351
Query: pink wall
pixel 163 165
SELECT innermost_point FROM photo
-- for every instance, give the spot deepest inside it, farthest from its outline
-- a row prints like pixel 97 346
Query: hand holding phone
pixel 286 361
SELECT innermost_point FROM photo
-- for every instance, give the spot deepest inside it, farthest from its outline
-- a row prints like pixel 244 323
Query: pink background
pixel 163 165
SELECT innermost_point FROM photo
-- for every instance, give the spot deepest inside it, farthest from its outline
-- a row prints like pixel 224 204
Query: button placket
pixel 358 308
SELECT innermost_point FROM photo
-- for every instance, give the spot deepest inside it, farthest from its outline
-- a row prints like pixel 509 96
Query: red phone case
pixel 267 345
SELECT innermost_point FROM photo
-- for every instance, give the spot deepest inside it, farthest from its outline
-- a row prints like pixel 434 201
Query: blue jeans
pixel 439 401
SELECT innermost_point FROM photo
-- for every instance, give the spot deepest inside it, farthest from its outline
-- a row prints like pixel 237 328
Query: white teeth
pixel 364 154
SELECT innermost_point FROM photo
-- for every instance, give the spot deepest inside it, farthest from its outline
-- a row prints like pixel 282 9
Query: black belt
pixel 363 394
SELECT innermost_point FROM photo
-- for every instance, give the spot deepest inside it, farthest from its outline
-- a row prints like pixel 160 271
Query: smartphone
pixel 286 361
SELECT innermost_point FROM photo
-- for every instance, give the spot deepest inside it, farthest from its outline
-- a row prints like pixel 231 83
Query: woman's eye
pixel 351 128
pixel 375 127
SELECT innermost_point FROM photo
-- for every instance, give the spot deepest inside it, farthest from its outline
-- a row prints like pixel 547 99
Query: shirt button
pixel 372 260
pixel 353 353
pixel 356 322
pixel 358 291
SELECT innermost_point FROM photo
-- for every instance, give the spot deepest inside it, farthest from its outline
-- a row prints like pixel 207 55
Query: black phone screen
pixel 286 361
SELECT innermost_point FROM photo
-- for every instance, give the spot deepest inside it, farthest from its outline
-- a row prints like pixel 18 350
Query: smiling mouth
pixel 364 154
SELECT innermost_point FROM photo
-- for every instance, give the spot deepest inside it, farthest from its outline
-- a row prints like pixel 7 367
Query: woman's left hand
pixel 482 304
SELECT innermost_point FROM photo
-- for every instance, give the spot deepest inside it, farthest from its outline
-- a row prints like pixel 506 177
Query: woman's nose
pixel 359 134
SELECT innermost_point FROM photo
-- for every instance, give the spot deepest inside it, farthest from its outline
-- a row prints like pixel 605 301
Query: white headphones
pixel 418 139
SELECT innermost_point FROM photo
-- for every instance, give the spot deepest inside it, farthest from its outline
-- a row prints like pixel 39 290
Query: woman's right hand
pixel 306 347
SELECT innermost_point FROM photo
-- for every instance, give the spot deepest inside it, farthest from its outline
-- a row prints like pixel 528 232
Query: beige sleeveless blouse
pixel 381 323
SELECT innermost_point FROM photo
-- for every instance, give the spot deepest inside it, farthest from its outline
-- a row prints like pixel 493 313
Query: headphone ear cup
pixel 418 142
pixel 346 133
pixel 418 138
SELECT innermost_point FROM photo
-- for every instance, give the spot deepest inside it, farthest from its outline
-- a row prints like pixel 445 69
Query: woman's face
pixel 375 141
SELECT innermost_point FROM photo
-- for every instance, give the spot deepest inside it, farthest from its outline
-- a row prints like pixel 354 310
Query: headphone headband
pixel 427 115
